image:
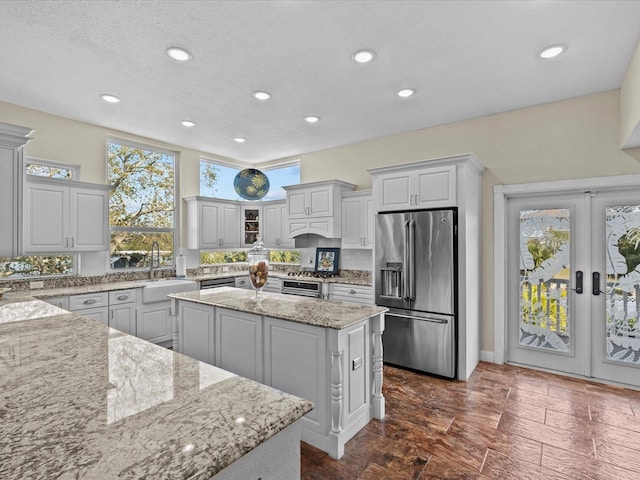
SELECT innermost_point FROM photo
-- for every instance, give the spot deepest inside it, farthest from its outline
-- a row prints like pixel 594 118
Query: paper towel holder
pixel 181 267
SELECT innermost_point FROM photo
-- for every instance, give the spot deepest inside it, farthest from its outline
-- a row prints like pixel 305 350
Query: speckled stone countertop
pixel 81 400
pixel 311 311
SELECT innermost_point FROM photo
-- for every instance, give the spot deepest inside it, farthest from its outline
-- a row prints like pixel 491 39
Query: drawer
pixel 351 293
pixel 88 300
pixel 122 296
pixel 273 285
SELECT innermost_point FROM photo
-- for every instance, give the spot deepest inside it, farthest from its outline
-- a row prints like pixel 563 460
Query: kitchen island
pixel 82 400
pixel 327 352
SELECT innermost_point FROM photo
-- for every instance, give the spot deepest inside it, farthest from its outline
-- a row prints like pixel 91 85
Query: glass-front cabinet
pixel 250 224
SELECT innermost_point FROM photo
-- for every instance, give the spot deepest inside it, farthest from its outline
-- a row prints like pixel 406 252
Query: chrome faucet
pixel 154 263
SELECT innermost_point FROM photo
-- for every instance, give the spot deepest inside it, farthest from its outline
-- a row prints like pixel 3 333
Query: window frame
pixel 177 241
pixel 43 162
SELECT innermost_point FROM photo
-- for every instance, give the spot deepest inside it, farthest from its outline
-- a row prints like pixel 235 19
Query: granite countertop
pixel 82 400
pixel 124 285
pixel 310 311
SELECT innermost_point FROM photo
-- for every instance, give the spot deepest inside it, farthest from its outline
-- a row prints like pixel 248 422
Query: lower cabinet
pixel 196 333
pixel 334 369
pixel 122 310
pixel 238 343
pixel 154 322
pixel 91 305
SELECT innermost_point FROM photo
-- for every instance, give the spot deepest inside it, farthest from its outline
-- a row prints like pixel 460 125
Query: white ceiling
pixel 465 59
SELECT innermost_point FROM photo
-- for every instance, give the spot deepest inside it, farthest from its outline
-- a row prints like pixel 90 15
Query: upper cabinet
pixel 12 139
pixel 357 220
pixel 251 227
pixel 417 187
pixel 316 208
pixel 212 224
pixel 275 225
pixel 64 216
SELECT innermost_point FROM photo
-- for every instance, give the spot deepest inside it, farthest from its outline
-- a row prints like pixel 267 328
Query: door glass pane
pixel 544 279
pixel 623 281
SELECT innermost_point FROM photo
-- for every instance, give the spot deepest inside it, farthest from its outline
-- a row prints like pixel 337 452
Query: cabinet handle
pixel 111 314
pixel 123 297
pixel 73 242
pixel 66 242
pixel 352 291
pixel 416 200
pixel 89 301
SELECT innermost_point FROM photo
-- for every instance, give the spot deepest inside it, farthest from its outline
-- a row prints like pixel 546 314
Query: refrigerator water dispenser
pixel 391 280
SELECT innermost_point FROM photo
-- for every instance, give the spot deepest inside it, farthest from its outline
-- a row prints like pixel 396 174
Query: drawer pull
pixel 89 301
pixel 123 297
pixel 352 291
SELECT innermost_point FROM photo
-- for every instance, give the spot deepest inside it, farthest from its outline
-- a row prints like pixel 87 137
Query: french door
pixel 573 281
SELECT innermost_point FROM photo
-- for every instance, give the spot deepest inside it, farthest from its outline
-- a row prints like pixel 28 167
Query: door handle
pixel 579 282
pixel 595 276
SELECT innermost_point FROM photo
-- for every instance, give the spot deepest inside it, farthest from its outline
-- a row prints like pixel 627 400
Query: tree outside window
pixel 141 204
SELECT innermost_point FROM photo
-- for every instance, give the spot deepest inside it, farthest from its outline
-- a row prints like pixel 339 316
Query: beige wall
pixel 575 138
pixel 630 101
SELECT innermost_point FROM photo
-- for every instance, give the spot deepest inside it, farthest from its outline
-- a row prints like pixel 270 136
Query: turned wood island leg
pixel 377 327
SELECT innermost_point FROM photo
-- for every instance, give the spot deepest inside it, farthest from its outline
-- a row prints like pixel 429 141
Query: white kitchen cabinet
pixel 250 223
pixel 412 188
pixel 351 293
pixel 238 346
pixel 316 208
pixel 91 305
pixel 65 216
pixel 12 139
pixel 358 220
pixel 196 326
pixel 212 224
pixel 122 310
pixel 154 322
pixel 275 225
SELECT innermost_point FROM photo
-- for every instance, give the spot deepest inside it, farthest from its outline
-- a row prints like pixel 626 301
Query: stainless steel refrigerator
pixel 416 262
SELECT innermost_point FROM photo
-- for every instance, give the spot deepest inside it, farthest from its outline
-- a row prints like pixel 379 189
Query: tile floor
pixel 504 423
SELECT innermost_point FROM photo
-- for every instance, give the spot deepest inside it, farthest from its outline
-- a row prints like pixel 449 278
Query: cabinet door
pixel 352 223
pixel 154 322
pixel 8 201
pixel 396 190
pixel 435 187
pixel 208 228
pixel 196 331
pixel 284 239
pixel 370 221
pixel 46 218
pixel 229 225
pixel 238 345
pixel 270 224
pixel 99 314
pixel 320 201
pixel 295 362
pixel 88 222
pixel 123 317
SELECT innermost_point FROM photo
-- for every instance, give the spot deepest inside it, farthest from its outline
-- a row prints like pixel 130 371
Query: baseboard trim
pixel 487 356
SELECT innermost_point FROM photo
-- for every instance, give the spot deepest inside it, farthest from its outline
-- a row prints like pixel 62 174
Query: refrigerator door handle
pixel 406 259
pixel 412 260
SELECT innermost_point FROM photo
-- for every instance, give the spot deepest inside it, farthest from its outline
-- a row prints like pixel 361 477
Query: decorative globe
pixel 251 184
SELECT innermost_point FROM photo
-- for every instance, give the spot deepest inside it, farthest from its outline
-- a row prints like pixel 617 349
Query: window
pixel 222 257
pixel 49 168
pixel 216 179
pixel 141 204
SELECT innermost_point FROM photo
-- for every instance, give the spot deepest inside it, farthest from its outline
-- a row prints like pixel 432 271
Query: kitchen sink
pixel 157 290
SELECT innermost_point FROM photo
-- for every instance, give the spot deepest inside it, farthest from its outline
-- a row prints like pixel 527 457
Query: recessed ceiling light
pixel 261 95
pixel 239 139
pixel 312 119
pixel 109 98
pixel 406 92
pixel 188 123
pixel 178 54
pixel 363 56
pixel 552 51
